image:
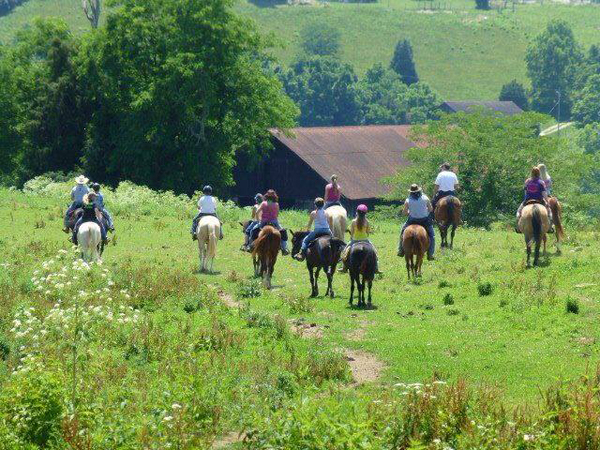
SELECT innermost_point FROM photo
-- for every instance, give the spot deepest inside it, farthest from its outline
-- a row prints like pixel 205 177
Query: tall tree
pixel 515 92
pixel 179 90
pixel 423 103
pixel 586 106
pixel 92 10
pixel 10 139
pixel 325 90
pixel 382 97
pixel 552 60
pixel 403 63
pixel 321 39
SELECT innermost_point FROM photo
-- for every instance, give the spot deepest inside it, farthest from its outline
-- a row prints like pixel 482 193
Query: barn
pixel 302 162
pixel 506 108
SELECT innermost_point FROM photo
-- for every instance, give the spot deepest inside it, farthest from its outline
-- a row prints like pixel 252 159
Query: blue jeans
pixel 78 224
pixel 426 223
pixel 262 224
pixel 107 217
pixel 440 195
pixel 311 237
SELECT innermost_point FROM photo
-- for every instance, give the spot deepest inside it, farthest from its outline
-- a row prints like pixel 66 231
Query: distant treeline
pixel 7 6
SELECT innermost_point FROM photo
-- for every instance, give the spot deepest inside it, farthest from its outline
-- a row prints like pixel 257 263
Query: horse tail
pixel 536 223
pixel 557 218
pixel 449 211
pixel 212 241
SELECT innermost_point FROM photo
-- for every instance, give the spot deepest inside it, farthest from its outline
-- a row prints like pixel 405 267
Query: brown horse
pixel 324 253
pixel 448 213
pixel 415 243
pixel 556 209
pixel 266 249
pixel 534 226
pixel 361 262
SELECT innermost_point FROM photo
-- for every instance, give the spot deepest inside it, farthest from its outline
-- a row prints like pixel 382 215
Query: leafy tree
pixel 321 39
pixel 382 97
pixel 325 90
pixel 589 138
pixel 423 103
pixel 403 63
pixel 515 92
pixel 492 156
pixel 10 141
pixel 586 108
pixel 179 91
pixel 552 60
pixel 92 10
pixel 482 4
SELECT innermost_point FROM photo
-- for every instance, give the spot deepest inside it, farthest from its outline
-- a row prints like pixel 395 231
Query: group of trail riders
pixel 91 204
pixel 417 206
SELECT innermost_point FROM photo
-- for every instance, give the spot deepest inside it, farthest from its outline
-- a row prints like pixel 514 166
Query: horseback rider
pixel 418 208
pixel 268 213
pixel 545 177
pixel 535 191
pixel 258 199
pixel 100 204
pixel 360 228
pixel 207 206
pixel 321 228
pixel 77 194
pixel 91 213
pixel 446 184
pixel 333 193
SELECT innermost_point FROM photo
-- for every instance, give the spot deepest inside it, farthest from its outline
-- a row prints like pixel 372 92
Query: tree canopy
pixel 515 92
pixel 403 63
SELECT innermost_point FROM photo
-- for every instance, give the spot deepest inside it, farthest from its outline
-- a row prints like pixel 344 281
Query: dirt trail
pixel 365 367
pixel 228 299
pixel 225 441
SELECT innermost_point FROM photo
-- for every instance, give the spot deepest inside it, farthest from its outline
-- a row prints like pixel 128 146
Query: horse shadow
pixel 355 307
pixel 205 272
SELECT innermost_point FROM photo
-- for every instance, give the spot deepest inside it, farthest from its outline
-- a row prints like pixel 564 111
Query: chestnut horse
pixel 415 243
pixel 266 249
pixel 534 226
pixel 556 209
pixel 448 213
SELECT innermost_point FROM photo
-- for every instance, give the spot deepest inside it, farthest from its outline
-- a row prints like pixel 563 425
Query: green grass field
pixel 463 53
pixel 519 339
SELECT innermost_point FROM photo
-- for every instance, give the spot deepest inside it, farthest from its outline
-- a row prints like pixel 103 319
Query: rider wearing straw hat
pixel 91 213
pixel 77 194
pixel 418 208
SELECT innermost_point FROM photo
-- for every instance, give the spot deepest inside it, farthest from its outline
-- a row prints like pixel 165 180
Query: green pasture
pixel 519 338
pixel 462 52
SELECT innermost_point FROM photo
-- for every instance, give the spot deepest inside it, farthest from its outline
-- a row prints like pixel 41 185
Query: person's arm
pixel 436 188
pixel 259 212
pixel 369 228
pixel 311 219
pixel 429 207
pixel 200 203
pixel 339 190
pixel 214 202
pixel 327 188
pixel 405 210
pixel 73 194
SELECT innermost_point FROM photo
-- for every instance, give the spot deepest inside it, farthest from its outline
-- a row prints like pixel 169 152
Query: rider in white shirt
pixel 446 184
pixel 207 206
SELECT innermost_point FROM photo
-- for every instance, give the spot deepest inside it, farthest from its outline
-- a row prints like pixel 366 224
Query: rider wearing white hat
pixel 77 193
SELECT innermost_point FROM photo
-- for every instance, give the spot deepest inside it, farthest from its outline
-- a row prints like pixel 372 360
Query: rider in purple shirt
pixel 535 189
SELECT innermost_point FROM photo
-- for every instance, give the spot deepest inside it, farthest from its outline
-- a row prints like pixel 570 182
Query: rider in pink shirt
pixel 268 213
pixel 333 193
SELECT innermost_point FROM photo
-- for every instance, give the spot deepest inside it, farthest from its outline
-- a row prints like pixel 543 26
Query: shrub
pixel 572 306
pixel 32 405
pixel 324 365
pixel 448 299
pixel 453 312
pixel 485 289
pixel 444 284
pixel 298 304
pixel 249 289
pixel 321 39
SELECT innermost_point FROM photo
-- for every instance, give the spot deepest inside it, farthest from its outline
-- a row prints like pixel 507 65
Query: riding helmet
pixel 96 187
pixel 362 208
pixel 207 190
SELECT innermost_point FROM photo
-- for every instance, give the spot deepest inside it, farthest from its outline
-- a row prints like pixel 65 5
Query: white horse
pixel 336 216
pixel 208 232
pixel 89 239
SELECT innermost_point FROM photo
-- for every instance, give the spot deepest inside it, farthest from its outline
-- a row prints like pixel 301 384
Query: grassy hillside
pixel 171 356
pixel 463 53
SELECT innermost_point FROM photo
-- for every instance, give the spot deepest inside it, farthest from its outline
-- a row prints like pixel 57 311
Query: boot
pixel 430 257
pixel 194 237
pixel 401 252
pixel 66 230
pixel 300 256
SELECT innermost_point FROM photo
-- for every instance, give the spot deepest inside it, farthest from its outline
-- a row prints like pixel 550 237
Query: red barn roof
pixel 360 155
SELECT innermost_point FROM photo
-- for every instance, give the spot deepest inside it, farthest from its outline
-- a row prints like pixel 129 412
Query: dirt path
pixel 229 439
pixel 365 367
pixel 228 299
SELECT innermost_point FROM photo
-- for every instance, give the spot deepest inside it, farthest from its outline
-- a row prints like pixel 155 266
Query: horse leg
pixel 452 235
pixel 317 281
pixel 312 281
pixel 330 272
pixel 544 239
pixel 536 256
pixel 351 288
pixel 407 259
pixel 361 290
pixel 443 236
pixel 370 285
pixel 528 252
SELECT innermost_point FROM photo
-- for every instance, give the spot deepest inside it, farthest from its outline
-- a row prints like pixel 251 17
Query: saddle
pixel 319 235
pixel 534 201
pixel 282 231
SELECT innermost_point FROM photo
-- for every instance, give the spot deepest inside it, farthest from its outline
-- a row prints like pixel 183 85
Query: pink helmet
pixel 362 208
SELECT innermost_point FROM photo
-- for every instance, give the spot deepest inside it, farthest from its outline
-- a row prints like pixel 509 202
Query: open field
pixel 519 337
pixel 463 53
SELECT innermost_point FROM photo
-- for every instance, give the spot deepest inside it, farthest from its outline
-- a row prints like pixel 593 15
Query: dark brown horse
pixel 448 214
pixel 415 243
pixel 324 253
pixel 556 209
pixel 361 263
pixel 266 249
